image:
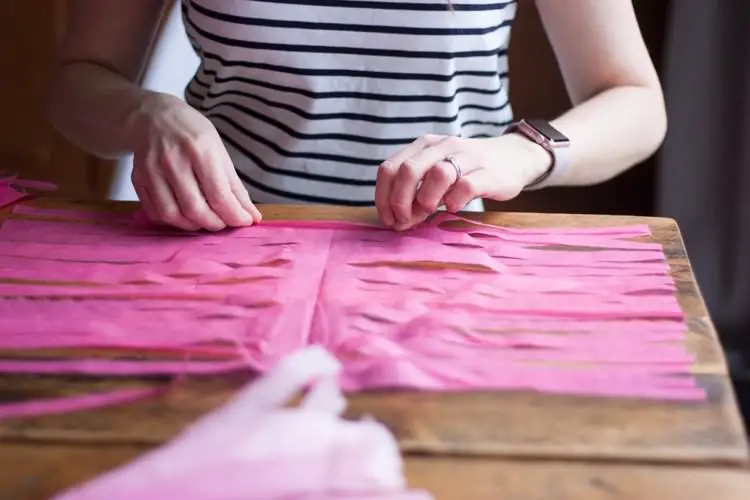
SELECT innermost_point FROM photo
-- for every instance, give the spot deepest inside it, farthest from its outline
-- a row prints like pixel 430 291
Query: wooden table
pixel 486 445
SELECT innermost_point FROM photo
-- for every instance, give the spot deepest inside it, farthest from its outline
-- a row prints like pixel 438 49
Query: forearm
pixel 97 109
pixel 611 132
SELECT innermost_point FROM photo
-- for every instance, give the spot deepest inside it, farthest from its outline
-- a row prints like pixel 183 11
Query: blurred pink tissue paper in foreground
pixel 255 448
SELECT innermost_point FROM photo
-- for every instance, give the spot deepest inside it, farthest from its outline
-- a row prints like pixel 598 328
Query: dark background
pixel 537 90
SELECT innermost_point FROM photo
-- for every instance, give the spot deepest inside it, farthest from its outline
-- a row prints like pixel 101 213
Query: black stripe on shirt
pixel 350 73
pixel 378 141
pixel 350 160
pixel 283 172
pixel 390 120
pixel 344 95
pixel 328 157
pixel 378 5
pixel 347 27
pixel 358 51
pixel 307 198
pixel 330 136
pixel 486 123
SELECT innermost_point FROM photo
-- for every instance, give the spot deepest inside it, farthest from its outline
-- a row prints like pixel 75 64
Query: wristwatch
pixel 553 141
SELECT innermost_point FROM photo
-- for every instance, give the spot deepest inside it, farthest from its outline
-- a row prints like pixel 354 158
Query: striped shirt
pixel 310 96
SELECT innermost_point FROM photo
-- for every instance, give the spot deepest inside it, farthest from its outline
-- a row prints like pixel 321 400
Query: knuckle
pixel 202 141
pixel 401 206
pixel 169 214
pixel 386 167
pixel 431 138
pixel 172 148
pixel 202 144
pixel 219 199
pixel 195 209
pixel 451 141
pixel 440 173
pixel 409 169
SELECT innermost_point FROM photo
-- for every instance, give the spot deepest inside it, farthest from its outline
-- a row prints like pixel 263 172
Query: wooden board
pixel 494 423
pixel 36 472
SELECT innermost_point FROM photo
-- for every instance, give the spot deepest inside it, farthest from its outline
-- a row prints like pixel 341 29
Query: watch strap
pixel 554 142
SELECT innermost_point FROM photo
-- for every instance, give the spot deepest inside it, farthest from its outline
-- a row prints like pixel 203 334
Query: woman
pixel 400 104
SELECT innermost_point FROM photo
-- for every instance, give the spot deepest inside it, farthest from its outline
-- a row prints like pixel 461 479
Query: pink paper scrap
pixel 13 189
pixel 578 311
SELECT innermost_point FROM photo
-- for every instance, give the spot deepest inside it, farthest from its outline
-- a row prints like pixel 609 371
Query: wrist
pixel 149 106
pixel 533 160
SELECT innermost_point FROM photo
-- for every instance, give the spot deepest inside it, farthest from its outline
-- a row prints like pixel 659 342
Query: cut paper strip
pixel 582 259
pixel 397 371
pixel 141 217
pixel 68 404
pixel 624 269
pixel 250 448
pixel 8 195
pixel 35 185
pixel 514 280
pixel 76 252
pixel 632 231
pixel 13 189
pixel 449 305
pixel 122 368
pixel 571 240
pixel 82 215
pixel 190 271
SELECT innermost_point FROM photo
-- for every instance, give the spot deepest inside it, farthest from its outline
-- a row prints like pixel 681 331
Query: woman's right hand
pixel 182 172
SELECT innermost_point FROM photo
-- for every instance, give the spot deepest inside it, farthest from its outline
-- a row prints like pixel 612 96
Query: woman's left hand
pixel 419 178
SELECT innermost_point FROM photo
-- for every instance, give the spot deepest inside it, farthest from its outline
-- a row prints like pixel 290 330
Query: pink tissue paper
pixel 588 312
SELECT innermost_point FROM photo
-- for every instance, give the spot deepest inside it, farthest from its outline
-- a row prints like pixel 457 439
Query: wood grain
pixel 36 472
pixel 513 427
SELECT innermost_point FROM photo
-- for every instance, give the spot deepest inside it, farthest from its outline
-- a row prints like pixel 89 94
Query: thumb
pixel 240 192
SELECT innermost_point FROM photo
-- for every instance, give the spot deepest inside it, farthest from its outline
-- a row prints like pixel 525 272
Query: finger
pixel 410 176
pixel 147 203
pixel 387 176
pixel 469 187
pixel 141 191
pixel 410 150
pixel 383 187
pixel 436 184
pixel 211 169
pixel 165 204
pixel 239 190
pixel 189 196
pixel 436 153
pixel 403 192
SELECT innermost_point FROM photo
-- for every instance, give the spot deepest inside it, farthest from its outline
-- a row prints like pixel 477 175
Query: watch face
pixel 550 132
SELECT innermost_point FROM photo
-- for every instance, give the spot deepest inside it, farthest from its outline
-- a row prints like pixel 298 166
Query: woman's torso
pixel 310 96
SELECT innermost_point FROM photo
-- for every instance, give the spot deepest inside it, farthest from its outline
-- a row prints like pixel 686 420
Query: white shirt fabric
pixel 310 96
